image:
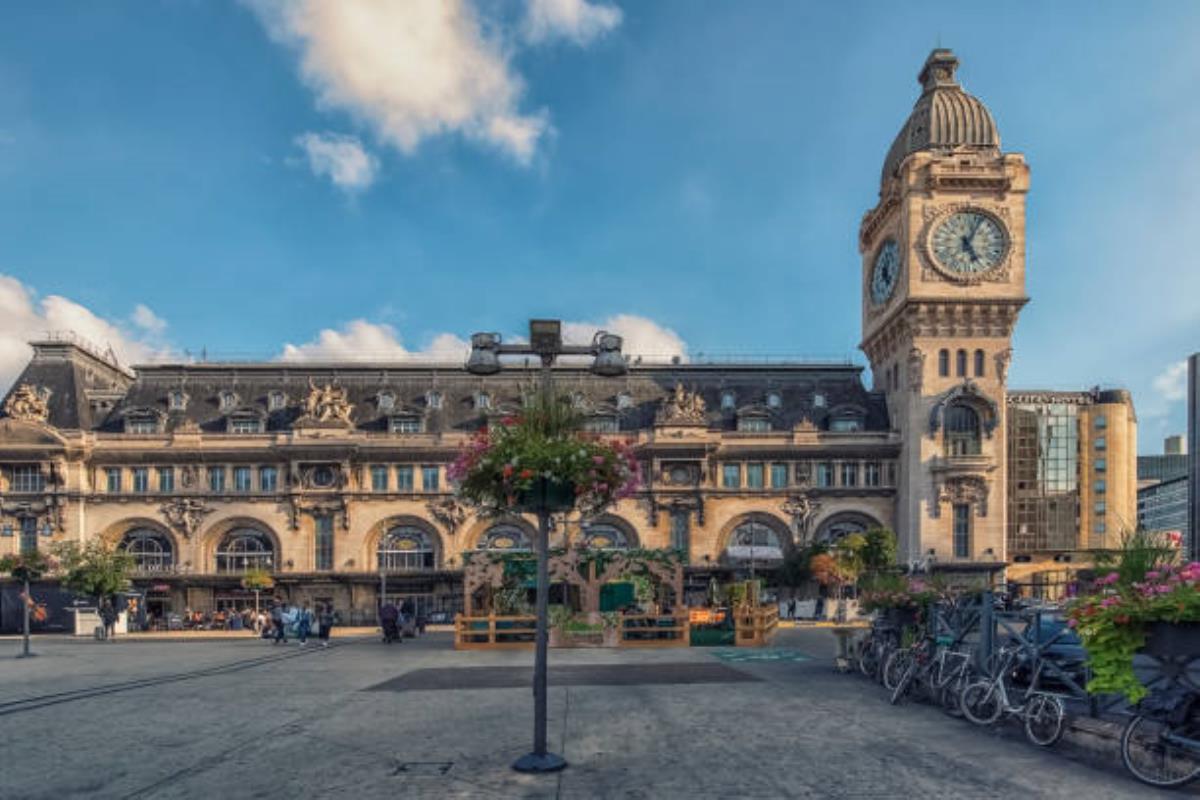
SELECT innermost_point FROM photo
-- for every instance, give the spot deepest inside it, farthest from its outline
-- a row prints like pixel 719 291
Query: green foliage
pixel 1140 552
pixel 879 551
pixel 27 566
pixel 258 580
pixel 795 571
pixel 511 601
pixel 96 569
pixel 1112 622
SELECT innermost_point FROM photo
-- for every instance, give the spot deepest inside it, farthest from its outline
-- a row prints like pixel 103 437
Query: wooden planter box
pixel 1172 639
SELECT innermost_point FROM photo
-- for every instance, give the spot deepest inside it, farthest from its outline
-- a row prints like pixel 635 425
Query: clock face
pixel 885 272
pixel 969 242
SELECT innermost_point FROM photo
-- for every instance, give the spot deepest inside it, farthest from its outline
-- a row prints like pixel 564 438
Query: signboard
pixel 754 552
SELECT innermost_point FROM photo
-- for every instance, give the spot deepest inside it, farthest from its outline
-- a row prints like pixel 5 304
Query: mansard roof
pixel 645 388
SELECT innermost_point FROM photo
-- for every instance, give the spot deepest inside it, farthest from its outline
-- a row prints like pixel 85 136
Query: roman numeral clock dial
pixel 969 243
pixel 885 271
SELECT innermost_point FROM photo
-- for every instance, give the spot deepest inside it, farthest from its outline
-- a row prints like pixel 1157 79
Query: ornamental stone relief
pixel 328 403
pixel 185 514
pixel 28 403
pixel 802 509
pixel 683 407
pixel 968 489
pixel 1002 360
pixel 916 370
pixel 448 512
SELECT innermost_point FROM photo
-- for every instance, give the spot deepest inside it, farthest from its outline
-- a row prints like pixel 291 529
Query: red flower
pixel 508 470
pixel 526 473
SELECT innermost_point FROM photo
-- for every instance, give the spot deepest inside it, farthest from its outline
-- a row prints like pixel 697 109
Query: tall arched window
pixel 754 541
pixel 504 537
pixel 245 549
pixel 944 363
pixel 151 551
pixel 961 363
pixel 962 431
pixel 978 363
pixel 405 548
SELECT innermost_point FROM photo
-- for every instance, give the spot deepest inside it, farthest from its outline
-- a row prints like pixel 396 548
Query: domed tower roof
pixel 943 118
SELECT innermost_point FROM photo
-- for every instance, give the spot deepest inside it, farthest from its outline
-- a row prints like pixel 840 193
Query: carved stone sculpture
pixel 916 370
pixel 448 512
pixel 1002 360
pixel 969 489
pixel 184 514
pixel 28 403
pixel 328 403
pixel 803 510
pixel 683 407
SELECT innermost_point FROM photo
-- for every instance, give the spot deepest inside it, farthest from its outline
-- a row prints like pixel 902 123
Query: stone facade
pixel 333 475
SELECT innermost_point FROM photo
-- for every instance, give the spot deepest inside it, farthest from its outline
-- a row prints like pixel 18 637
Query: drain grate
pixel 418 769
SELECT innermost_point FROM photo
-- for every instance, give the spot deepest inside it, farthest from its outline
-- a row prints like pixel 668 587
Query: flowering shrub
pixel 895 591
pixel 501 463
pixel 27 566
pixel 1112 621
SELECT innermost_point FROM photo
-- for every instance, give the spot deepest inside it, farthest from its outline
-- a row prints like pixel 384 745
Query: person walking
pixel 278 623
pixel 304 619
pixel 325 620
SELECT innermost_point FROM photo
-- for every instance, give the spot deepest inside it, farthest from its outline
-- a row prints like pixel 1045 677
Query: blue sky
pixel 239 177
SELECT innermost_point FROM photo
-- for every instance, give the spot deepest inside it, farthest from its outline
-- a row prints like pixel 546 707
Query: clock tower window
pixel 944 363
pixel 960 363
pixel 978 363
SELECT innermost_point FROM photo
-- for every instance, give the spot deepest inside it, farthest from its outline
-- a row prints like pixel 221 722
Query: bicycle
pixel 874 648
pixel 933 664
pixel 985 701
pixel 1160 745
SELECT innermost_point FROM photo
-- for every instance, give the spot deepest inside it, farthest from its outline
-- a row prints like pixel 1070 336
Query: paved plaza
pixel 233 719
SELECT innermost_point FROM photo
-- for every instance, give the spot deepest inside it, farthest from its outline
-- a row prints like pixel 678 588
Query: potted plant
pixel 540 461
pixel 27 567
pixel 257 580
pixel 1146 604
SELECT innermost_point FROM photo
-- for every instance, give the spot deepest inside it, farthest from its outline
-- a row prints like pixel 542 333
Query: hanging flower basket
pixel 540 461
pixel 1172 639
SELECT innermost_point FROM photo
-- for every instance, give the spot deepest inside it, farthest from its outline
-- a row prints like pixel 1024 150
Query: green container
pixel 547 495
pixel 615 596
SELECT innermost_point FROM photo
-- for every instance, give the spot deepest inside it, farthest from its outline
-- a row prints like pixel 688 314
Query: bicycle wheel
pixel 1154 760
pixel 868 658
pixel 906 680
pixel 950 697
pixel 895 667
pixel 981 702
pixel 1045 719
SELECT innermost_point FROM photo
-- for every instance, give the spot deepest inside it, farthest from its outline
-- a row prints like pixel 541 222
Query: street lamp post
pixel 545 341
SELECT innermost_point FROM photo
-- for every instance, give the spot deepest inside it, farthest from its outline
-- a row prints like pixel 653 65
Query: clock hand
pixel 967 244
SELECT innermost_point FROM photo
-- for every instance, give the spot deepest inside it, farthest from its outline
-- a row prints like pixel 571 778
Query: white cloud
pixel 576 20
pixel 643 337
pixel 360 340
pixel 1171 383
pixel 409 69
pixel 340 158
pixel 148 321
pixel 26 319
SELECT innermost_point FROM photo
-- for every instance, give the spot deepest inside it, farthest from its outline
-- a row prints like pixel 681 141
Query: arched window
pixel 960 363
pixel 151 551
pixel 603 536
pixel 841 525
pixel 753 540
pixel 245 549
pixel 504 537
pixel 962 431
pixel 405 548
pixel 944 363
pixel 978 363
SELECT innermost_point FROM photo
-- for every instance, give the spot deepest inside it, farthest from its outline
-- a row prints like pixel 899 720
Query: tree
pixel 257 580
pixel 879 552
pixel 96 569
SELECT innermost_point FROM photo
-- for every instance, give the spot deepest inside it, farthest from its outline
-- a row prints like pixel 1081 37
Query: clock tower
pixel 943 280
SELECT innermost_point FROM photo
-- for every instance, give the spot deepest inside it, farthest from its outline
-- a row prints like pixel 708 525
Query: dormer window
pixel 386 401
pixel 276 401
pixel 141 423
pixel 228 400
pixel 846 424
pixel 245 424
pixel 483 401
pixel 624 400
pixel 404 424
pixel 578 400
pixel 753 423
pixel 818 400
pixel 728 401
pixel 433 399
pixel 774 400
pixel 177 400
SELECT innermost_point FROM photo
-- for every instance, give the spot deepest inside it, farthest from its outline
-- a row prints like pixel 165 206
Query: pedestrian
pixel 278 623
pixel 326 623
pixel 388 616
pixel 408 613
pixel 108 616
pixel 304 619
